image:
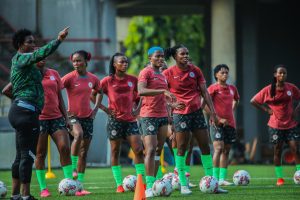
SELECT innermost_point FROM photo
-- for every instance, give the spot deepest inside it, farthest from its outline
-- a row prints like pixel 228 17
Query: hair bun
pixel 71 56
pixel 88 56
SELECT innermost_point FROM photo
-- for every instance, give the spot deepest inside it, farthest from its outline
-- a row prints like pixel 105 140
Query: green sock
pixel 68 171
pixel 81 177
pixel 74 162
pixel 40 174
pixel 278 171
pixel 223 174
pixel 207 164
pixel 187 168
pixel 297 167
pixel 175 150
pixel 140 169
pixel 117 173
pixel 159 173
pixel 180 168
pixel 216 172
pixel 149 181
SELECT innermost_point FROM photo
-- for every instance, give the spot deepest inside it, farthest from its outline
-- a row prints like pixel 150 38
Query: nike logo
pixel 76 85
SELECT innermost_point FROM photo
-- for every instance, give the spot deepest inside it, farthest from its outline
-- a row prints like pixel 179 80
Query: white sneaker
pixel 185 190
pixel 149 193
pixel 221 191
pixel 224 183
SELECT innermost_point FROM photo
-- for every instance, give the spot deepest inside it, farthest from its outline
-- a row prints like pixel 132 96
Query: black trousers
pixel 26 124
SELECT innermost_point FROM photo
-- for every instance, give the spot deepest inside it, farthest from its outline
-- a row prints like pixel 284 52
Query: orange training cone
pixel 139 193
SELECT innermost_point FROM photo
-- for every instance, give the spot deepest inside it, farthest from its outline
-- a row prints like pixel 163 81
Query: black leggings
pixel 26 124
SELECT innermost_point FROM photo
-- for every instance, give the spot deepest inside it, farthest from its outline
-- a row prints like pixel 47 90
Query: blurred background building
pixel 251 36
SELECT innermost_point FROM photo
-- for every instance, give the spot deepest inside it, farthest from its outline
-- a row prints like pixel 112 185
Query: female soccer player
pixel 225 99
pixel 121 90
pixel 53 122
pixel 79 85
pixel 277 99
pixel 28 102
pixel 187 83
pixel 152 86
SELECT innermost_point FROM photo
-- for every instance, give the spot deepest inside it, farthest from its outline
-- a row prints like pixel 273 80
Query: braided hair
pixel 19 37
pixel 172 51
pixel 112 70
pixel 274 80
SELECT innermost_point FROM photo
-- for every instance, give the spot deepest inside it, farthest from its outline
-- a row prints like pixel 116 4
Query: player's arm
pixel 62 106
pixel 208 101
pixel 262 107
pixel 7 91
pixel 235 104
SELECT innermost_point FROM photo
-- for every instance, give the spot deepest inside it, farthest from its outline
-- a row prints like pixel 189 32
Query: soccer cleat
pixel 78 194
pixel 149 193
pixel 221 191
pixel 185 190
pixel 280 182
pixel 45 193
pixel 75 175
pixel 85 192
pixel 120 189
pixel 224 183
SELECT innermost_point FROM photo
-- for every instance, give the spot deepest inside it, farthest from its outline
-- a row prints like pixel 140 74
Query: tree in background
pixel 164 31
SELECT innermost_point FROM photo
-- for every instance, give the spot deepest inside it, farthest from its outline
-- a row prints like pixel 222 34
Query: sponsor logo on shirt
pixel 192 74
pixel 289 93
pixel 90 84
pixel 52 78
pixel 130 84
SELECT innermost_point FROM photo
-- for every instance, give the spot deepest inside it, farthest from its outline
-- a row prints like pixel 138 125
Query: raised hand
pixel 63 34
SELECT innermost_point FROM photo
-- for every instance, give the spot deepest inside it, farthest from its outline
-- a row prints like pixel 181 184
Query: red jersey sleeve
pixel 200 78
pixel 58 79
pixel 211 90
pixel 65 81
pixel 103 85
pixel 296 93
pixel 236 96
pixel 261 96
pixel 144 76
pixel 97 86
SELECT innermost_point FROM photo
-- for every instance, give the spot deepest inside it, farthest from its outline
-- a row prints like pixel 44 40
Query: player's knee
pixel 15 169
pixel 27 159
pixel 151 151
pixel 138 151
pixel 64 150
pixel 40 157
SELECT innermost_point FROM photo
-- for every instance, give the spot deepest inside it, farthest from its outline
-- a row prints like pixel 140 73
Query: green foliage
pixel 164 31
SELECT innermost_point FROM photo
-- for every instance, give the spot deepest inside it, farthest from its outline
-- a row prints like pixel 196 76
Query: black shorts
pixel 86 124
pixel 226 134
pixel 189 122
pixel 120 129
pixel 52 125
pixel 150 125
pixel 278 135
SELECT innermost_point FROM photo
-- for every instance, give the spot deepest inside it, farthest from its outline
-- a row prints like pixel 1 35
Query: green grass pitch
pixel 101 183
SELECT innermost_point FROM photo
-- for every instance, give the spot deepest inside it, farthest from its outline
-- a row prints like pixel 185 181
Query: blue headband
pixel 153 49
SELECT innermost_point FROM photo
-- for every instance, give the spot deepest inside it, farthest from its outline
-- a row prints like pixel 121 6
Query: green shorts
pixel 189 122
pixel 120 129
pixel 50 126
pixel 150 125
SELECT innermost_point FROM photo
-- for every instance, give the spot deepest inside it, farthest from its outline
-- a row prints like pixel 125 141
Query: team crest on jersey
pixel 183 125
pixel 192 74
pixel 90 84
pixel 52 78
pixel 113 132
pixel 130 84
pixel 289 93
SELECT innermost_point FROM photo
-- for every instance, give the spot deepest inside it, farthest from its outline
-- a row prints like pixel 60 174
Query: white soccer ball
pixel 175 183
pixel 169 177
pixel 3 190
pixel 129 183
pixel 67 187
pixel 162 188
pixel 79 185
pixel 297 177
pixel 241 177
pixel 208 184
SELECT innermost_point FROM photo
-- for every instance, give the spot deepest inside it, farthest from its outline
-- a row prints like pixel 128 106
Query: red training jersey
pixel 281 105
pixel 153 106
pixel 122 94
pixel 79 89
pixel 185 85
pixel 222 98
pixel 52 85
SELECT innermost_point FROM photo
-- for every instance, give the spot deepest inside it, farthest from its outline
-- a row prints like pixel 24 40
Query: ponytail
pixel 171 51
pixel 274 80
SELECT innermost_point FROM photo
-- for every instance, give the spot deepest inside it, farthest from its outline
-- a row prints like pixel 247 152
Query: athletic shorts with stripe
pixel 226 134
pixel 150 125
pixel 120 129
pixel 52 125
pixel 189 122
pixel 278 135
pixel 86 124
